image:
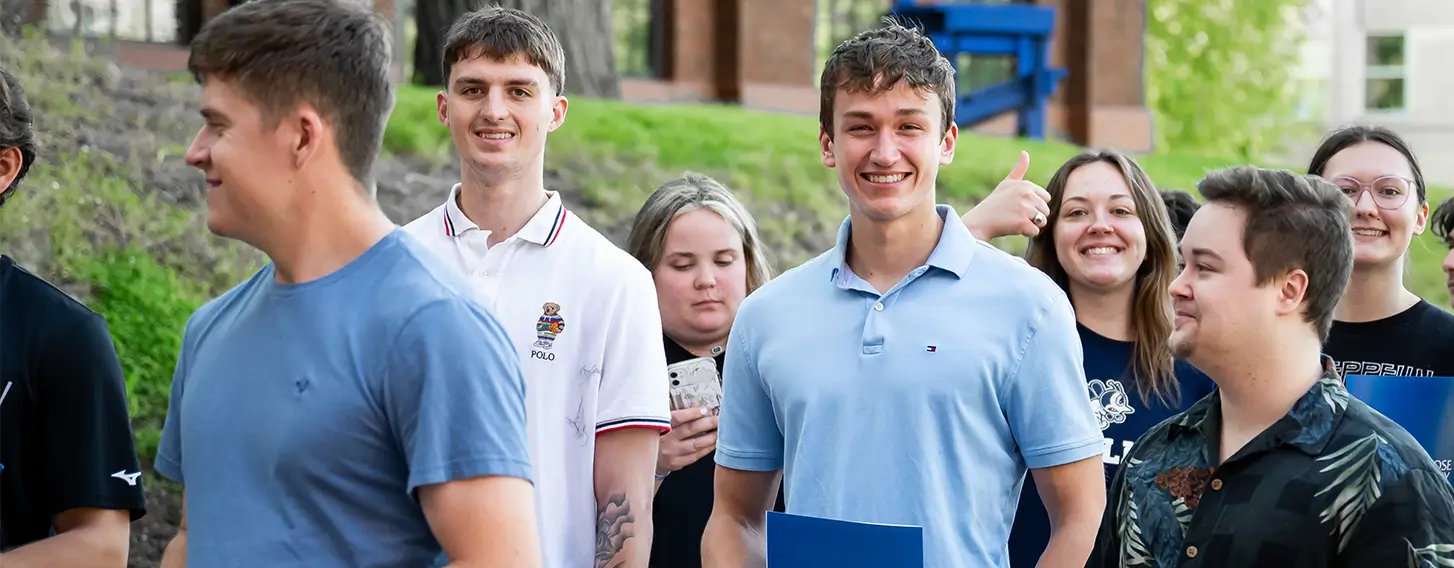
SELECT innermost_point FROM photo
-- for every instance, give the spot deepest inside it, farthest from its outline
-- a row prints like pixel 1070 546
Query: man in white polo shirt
pixel 581 312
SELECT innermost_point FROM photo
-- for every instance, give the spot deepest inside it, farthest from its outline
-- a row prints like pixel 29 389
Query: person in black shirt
pixel 1443 223
pixel 705 256
pixel 70 483
pixel 1279 467
pixel 1380 327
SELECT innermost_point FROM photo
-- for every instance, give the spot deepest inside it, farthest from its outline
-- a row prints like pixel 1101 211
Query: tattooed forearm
pixel 613 528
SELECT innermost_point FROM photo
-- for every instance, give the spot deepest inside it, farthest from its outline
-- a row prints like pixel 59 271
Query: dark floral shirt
pixel 1333 483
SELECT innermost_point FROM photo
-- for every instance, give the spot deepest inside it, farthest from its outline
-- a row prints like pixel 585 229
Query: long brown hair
pixel 1151 313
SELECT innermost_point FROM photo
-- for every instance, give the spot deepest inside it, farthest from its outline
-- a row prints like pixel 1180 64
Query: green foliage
pixel 1219 74
pixel 414 129
pixel 146 308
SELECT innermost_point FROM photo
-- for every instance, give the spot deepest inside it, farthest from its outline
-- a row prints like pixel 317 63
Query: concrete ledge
pixel 1125 128
pixel 785 98
pixel 659 91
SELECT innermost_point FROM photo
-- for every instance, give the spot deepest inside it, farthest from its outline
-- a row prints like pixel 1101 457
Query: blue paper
pixel 798 541
pixel 1422 405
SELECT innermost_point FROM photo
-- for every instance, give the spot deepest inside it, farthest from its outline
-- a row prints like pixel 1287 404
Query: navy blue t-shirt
pixel 1123 417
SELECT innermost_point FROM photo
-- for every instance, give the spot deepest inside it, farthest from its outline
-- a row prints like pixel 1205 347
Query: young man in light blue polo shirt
pixel 912 374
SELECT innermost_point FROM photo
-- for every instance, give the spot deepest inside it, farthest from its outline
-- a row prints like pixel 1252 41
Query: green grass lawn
pixel 620 151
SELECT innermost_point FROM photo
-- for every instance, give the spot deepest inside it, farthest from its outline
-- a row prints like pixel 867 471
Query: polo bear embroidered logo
pixel 547 329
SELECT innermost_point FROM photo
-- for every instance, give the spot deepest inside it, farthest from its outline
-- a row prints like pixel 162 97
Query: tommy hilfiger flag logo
pixel 932 348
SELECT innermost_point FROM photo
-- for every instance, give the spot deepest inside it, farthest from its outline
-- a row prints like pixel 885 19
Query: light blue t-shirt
pixel 303 417
pixel 922 406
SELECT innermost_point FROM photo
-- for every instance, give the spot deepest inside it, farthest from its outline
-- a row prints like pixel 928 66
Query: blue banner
pixel 795 541
pixel 1422 405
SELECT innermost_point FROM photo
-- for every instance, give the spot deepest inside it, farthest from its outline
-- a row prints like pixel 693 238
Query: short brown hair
pixel 1151 312
pixel 876 60
pixel 1293 222
pixel 16 128
pixel 332 54
pixel 501 33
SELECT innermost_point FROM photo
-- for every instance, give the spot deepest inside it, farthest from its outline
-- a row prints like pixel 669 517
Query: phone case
pixel 695 383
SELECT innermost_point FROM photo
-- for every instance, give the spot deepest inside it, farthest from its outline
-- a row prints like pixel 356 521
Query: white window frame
pixel 1374 71
pixel 60 16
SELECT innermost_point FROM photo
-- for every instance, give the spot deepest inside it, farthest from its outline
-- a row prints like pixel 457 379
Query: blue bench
pixel 1018 30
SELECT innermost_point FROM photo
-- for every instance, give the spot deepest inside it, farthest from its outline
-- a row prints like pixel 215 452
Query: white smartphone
pixel 694 383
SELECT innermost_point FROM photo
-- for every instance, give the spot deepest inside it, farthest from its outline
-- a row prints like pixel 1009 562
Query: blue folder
pixel 797 541
pixel 1422 405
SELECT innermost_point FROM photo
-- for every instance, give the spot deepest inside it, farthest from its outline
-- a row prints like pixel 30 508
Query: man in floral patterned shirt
pixel 1280 467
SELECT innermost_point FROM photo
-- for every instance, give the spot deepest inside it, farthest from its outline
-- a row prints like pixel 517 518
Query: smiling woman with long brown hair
pixel 1110 245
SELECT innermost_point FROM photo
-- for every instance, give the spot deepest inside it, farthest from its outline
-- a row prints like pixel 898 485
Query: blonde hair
pixel 688 193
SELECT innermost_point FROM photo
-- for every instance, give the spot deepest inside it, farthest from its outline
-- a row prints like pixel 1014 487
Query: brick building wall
pixel 1102 101
pixel 760 53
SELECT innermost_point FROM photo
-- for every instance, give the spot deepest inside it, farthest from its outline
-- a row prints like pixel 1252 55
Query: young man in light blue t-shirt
pixel 912 374
pixel 350 404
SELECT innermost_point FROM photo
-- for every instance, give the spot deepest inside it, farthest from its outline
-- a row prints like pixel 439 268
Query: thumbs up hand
pixel 1015 207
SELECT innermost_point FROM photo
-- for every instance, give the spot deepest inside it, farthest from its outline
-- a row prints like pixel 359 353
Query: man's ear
pixel 311 132
pixel 825 145
pixel 946 147
pixel 1292 290
pixel 557 113
pixel 10 163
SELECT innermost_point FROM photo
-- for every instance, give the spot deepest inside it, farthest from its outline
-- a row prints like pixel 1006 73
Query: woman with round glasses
pixel 1380 327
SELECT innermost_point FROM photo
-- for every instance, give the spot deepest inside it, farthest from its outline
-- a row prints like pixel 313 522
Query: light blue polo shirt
pixel 922 406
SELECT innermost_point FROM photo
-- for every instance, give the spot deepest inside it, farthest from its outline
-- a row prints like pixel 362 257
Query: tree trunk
pixel 583 26
pixel 432 19
pixel 189 20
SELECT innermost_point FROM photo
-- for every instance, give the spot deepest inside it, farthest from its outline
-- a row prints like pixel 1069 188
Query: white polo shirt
pixel 583 315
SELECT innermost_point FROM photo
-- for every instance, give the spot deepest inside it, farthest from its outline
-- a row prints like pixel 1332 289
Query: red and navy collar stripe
pixel 556 226
pixel 448 224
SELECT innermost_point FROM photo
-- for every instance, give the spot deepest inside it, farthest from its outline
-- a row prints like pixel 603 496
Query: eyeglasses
pixel 1389 192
